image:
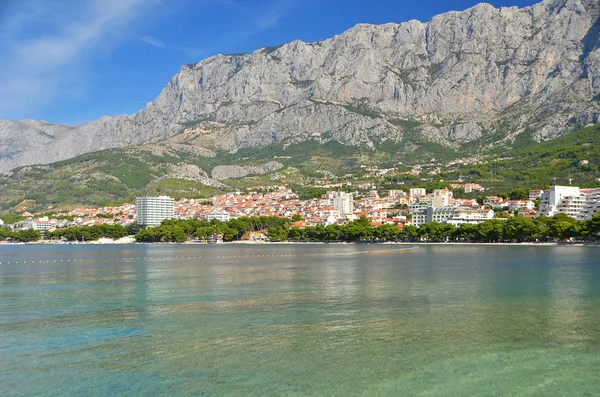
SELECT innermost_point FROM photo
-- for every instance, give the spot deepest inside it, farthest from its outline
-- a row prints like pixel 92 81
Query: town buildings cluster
pixel 581 204
pixel 397 207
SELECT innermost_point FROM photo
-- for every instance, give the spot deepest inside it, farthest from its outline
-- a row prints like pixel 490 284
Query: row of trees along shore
pixel 81 233
pixel 516 229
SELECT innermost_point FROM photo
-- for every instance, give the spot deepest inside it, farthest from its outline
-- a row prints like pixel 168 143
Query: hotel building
pixel 151 211
pixel 451 215
pixel 577 203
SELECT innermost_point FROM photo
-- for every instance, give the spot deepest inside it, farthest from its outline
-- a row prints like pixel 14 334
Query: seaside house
pixel 520 204
pixel 535 193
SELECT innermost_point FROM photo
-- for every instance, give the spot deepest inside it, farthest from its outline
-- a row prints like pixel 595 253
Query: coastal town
pixel 400 208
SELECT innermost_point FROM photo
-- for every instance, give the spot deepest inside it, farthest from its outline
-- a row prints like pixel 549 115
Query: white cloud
pixel 153 41
pixel 49 44
pixel 261 17
pixel 274 14
pixel 49 47
pixel 158 43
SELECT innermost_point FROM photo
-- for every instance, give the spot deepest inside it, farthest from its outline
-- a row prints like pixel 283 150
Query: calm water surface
pixel 299 320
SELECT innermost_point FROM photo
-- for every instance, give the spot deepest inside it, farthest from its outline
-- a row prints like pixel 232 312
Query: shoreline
pixel 130 241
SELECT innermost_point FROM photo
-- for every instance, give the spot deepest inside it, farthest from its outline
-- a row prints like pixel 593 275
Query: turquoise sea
pixel 256 320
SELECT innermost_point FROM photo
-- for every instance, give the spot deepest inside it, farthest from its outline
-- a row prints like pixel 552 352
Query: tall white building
pixel 577 203
pixel 559 196
pixel 343 202
pixel 151 211
pixel 441 198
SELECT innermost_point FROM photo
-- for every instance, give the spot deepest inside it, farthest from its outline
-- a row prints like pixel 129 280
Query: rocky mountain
pixel 483 76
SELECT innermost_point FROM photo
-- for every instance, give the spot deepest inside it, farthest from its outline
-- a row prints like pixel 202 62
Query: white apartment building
pixel 535 193
pixel 592 202
pixel 417 203
pixel 472 217
pixel 397 193
pixel 327 212
pixel 433 214
pixel 520 204
pixel 451 215
pixel 44 223
pixel 577 203
pixel 441 198
pixel 40 224
pixel 494 202
pixel 343 202
pixel 417 192
pixel 564 199
pixel 222 216
pixel 151 211
pixel 402 200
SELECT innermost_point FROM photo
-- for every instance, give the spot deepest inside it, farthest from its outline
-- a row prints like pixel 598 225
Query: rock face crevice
pixel 456 78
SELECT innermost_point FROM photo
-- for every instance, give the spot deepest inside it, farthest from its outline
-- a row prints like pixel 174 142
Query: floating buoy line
pixel 184 257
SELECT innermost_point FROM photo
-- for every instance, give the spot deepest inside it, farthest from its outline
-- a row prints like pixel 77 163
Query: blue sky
pixel 72 61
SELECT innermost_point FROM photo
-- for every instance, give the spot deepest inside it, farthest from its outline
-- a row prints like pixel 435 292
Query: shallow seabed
pixel 299 320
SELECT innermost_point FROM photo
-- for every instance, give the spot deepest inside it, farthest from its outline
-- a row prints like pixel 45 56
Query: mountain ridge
pixel 482 74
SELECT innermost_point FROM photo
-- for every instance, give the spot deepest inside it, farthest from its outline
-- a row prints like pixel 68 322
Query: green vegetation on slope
pixel 181 188
pixel 546 163
pixel 97 179
pixel 117 175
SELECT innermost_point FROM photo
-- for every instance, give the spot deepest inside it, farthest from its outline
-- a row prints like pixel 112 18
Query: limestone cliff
pixel 462 76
